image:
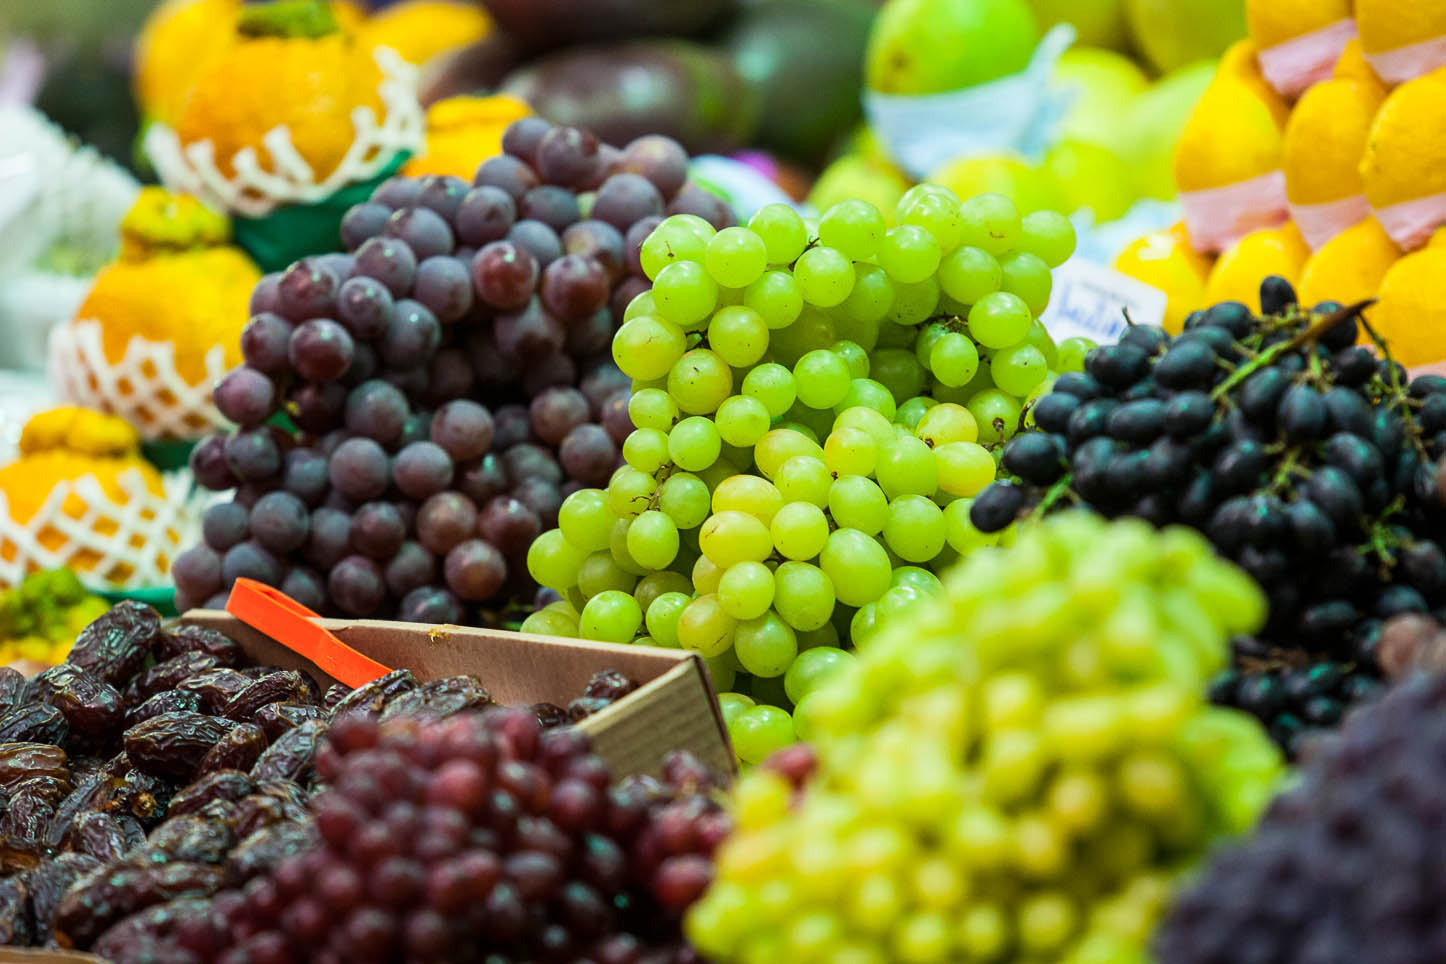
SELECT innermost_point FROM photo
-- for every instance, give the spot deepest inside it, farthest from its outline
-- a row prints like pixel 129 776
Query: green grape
pixel 824 275
pixel 742 420
pixel 825 635
pixel 813 330
pixel 684 497
pixel 705 627
pixel 803 595
pixel 705 575
pixel 850 451
pixel 646 449
pixel 746 591
pixel 1071 354
pixel 853 355
pixel 723 671
pixel 822 379
pixel 920 579
pixel 553 561
pixel 898 370
pixel 724 468
pixel 782 231
pixel 700 381
pixel 914 303
pixel 734 705
pixel 612 616
pixel 1018 370
pixel 585 519
pixel 811 668
pixel 867 420
pixel 748 493
pixel 969 273
pixel 866 623
pixel 694 443
pixel 804 478
pixel 867 393
pixel 549 623
pixel 622 555
pixel 1039 337
pixel 670 244
pixel 652 408
pixel 652 539
pixel 872 295
pixel 684 293
pixel 909 254
pixel 642 304
pixel 772 384
pixel 960 533
pixel 915 528
pixel 647 347
pixel 731 537
pixel 780 445
pixel 738 335
pixel 799 530
pixel 896 337
pixel 999 320
pixel 1027 276
pixel 814 422
pixel 1047 235
pixel 656 584
pixel 854 227
pixel 857 566
pixel 938 213
pixel 906 467
pixel 757 734
pixel 776 298
pixel 997 415
pixel 910 413
pixel 736 257
pixel 945 423
pixel 765 645
pixel 990 222
pixel 600 572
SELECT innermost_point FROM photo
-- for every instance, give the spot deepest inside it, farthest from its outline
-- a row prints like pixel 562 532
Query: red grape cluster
pixel 449 381
pixel 482 838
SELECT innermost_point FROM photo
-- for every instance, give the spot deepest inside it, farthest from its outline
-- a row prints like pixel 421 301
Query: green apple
pixel 1154 123
pixel 931 46
pixel 1098 23
pixel 1090 176
pixel 1030 188
pixel 1103 84
pixel 855 176
pixel 1173 33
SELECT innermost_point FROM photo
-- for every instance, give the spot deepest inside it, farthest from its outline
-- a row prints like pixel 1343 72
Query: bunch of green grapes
pixel 813 408
pixel 1018 772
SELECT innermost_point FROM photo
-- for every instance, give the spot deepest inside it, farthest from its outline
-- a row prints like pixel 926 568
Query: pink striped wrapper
pixel 1411 223
pixel 1293 66
pixel 1217 217
pixel 1406 63
pixel 1319 223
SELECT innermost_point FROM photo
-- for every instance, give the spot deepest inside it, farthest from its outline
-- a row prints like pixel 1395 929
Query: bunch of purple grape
pixel 482 838
pixel 447 382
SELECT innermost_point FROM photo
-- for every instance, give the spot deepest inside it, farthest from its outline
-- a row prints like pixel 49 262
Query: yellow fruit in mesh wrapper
pixel 1238 273
pixel 1165 260
pixel 1273 22
pixel 1352 64
pixel 462 132
pixel 1402 39
pixel 1299 40
pixel 1404 166
pixel 1411 312
pixel 1325 138
pixel 1350 267
pixel 421 29
pixel 1241 61
pixel 1233 135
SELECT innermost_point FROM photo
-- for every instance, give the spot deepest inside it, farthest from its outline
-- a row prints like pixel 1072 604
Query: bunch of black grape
pixel 1303 456
pixel 482 838
pixel 1348 865
pixel 411 414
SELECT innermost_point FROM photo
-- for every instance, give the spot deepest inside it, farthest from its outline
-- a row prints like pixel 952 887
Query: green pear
pixel 1098 23
pixel 1173 33
pixel 1103 85
pixel 931 46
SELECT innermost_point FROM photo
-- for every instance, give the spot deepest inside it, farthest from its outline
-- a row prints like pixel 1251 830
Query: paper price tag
pixel 1090 301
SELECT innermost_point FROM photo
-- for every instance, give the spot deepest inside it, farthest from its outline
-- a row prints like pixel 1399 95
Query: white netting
pixel 255 192
pixel 144 387
pixel 111 545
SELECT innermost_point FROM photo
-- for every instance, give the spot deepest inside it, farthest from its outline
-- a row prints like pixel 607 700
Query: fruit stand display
pixel 620 482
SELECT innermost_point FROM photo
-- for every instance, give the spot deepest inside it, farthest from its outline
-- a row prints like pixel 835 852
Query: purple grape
pixel 488 365
pixel 513 426
pixel 197 572
pixel 554 206
pixel 421 470
pixel 555 370
pixel 430 604
pixel 528 461
pixel 359 469
pixel 338 263
pixel 417 429
pixel 377 410
pixel 265 341
pixel 556 412
pixel 377 530
pixel 508 174
pixel 279 522
pixel 250 560
pixel 247 493
pixel 504 274
pixel 412 381
pixel 588 454
pixel 442 193
pixel 364 365
pixel 509 525
pixel 317 409
pixel 485 214
pixel 329 539
pixel 306 290
pixel 335 500
pixel 444 520
pixel 449 376
pixel 364 306
pixel 389 261
pixel 633 244
pixel 615 418
pixel 412 337
pixel 425 231
pixel 567 156
pixel 529 334
pixel 355 584
pixel 574 287
pixel 692 199
pixel 463 429
pixel 474 570
pixel 363 221
pixel 306 587
pixel 537 239
pixel 660 159
pixel 320 350
pixel 266 296
pixel 224 525
pixel 444 285
pixel 245 396
pixel 304 475
pixel 544 498
pixel 602 383
pixel 608 159
pixel 397 192
pixel 522 137
pixel 411 567
pixel 253 455
pixel 482 479
pixel 599 241
pixel 625 199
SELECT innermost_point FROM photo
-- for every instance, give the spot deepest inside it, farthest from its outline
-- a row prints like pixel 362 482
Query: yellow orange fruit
pixel 1387 25
pixel 1350 267
pixel 1405 155
pixel 1236 276
pixel 1411 313
pixel 1165 260
pixel 421 29
pixel 1325 138
pixel 1231 136
pixel 462 132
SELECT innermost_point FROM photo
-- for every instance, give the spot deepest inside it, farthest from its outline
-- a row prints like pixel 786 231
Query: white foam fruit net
pixel 109 544
pixel 255 191
pixel 144 387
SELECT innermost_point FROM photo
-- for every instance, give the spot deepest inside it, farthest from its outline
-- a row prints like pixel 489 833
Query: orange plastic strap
pixel 291 624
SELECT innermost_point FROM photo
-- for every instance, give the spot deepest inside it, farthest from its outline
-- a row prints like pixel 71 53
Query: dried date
pixel 609 684
pixel 48 788
pixel 263 850
pixel 34 723
pixel 141 795
pixel 276 718
pixel 22 831
pixel 89 794
pixel 374 696
pixel 114 647
pixel 283 686
pixel 222 810
pixel 550 715
pixel 20 761
pixel 158 926
pixel 167 675
pixel 439 698
pixel 259 811
pixel 171 701
pixel 172 744
pixel 335 693
pixel 100 899
pixel 585 706
pixel 13 687
pixel 48 885
pixel 291 757
pixel 190 838
pixel 215 686
pixel 237 750
pixel 222 785
pixel 99 835
pixel 200 639
pixel 92 706
pixel 15 929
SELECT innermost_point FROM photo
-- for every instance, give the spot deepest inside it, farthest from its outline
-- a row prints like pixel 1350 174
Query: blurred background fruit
pixel 40 617
pixel 1173 33
pixel 547 24
pixel 930 46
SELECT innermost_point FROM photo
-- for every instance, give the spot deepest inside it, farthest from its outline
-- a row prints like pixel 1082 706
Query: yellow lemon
pixel 1238 273
pixel 1242 62
pixel 1349 268
pixel 1411 315
pixel 1387 25
pixel 1352 63
pixel 462 132
pixel 1165 260
pixel 1405 154
pixel 1325 138
pixel 1231 136
pixel 1273 22
pixel 421 29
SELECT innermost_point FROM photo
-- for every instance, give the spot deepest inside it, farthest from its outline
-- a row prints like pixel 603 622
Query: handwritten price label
pixel 1090 301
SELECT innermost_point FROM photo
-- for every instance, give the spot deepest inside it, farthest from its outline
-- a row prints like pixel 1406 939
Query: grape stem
pixel 1309 333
